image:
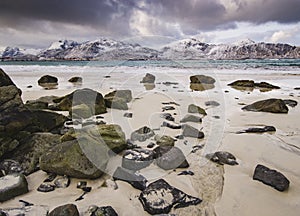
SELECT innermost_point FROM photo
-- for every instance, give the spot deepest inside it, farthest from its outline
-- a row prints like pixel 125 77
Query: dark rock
pixel 159 198
pixel 137 181
pixel 136 159
pixel 116 103
pixel 171 103
pixel 29 86
pixel 62 182
pixel 259 130
pixel 170 83
pixel 46 187
pixel 269 105
pixel 186 172
pixel 202 79
pixel 168 158
pixel 81 184
pixel 181 137
pixel 151 145
pixel 47 79
pixel 124 94
pixel 189 131
pixel 36 105
pixel 291 103
pixel 142 134
pixel 65 210
pixel 164 140
pixel 12 185
pixel 102 211
pixel 172 126
pixel 51 177
pixel 222 157
pixel 212 103
pixel 266 85
pixel 191 118
pixel 201 87
pixel 70 158
pixel 128 115
pixel 167 116
pixel 297 88
pixel 196 109
pixel 91 98
pixel 75 80
pixel 149 78
pixel 167 108
pixel 243 83
pixel 9 166
pixel 196 148
pixel 5 79
pixel 271 177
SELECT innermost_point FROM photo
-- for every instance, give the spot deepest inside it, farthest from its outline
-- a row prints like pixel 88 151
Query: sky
pixel 153 23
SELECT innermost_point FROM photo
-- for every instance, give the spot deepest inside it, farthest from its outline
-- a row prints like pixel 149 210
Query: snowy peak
pixel 243 42
pixel 62 45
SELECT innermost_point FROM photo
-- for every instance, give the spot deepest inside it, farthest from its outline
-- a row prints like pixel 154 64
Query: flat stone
pixel 189 131
pixel 12 185
pixel 136 159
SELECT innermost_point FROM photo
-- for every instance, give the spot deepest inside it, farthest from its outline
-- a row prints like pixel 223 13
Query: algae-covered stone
pixel 164 140
pixel 12 185
pixel 196 109
pixel 124 94
pixel 270 105
pixel 202 79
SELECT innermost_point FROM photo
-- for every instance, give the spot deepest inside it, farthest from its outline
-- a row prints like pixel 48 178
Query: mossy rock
pixel 270 105
pixel 196 109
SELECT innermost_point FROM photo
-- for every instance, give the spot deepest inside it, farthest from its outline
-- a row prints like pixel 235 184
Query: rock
pixel 169 158
pixel 151 145
pixel 271 177
pixel 202 79
pixel 186 172
pixel 201 87
pixel 81 184
pixel 26 210
pixel 47 79
pixel 10 99
pixel 65 210
pixel 51 177
pixel 116 103
pixel 12 185
pixel 62 182
pixel 86 96
pixel 189 131
pixel 137 181
pixel 5 79
pixel 259 130
pixel 269 105
pixel 9 166
pixel 212 103
pixel 266 85
pixel 70 158
pixel 297 88
pixel 46 187
pixel 164 140
pixel 128 115
pixel 222 157
pixel 191 118
pixel 81 111
pixel 136 159
pixel 149 78
pixel 167 116
pixel 111 184
pixel 172 126
pixel 196 109
pixel 124 94
pixel 36 105
pixel 75 79
pixel 102 211
pixel 142 134
pixel 159 198
pixel 291 103
pixel 32 149
pixel 243 83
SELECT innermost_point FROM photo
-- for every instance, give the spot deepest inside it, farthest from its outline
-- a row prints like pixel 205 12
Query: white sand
pixel 240 195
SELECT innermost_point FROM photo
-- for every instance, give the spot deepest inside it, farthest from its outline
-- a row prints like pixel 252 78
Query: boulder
pixel 266 85
pixel 164 140
pixel 202 79
pixel 65 210
pixel 116 103
pixel 189 131
pixel 196 109
pixel 136 159
pixel 137 181
pixel 81 111
pixel 124 94
pixel 86 96
pixel 81 158
pixel 222 157
pixel 149 78
pixel 46 187
pixel 36 105
pixel 270 105
pixel 191 118
pixel 47 79
pixel 75 79
pixel 271 177
pixel 10 99
pixel 169 158
pixel 102 211
pixel 12 185
pixel 32 149
pixel 160 197
pixel 243 83
pixel 5 79
pixel 142 134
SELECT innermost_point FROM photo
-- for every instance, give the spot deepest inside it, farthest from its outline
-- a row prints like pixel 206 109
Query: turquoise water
pixel 240 64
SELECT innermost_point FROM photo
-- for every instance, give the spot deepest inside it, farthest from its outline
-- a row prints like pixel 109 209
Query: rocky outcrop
pixel 148 78
pixel 90 98
pixel 64 210
pixel 269 105
pixel 12 185
pixel 271 177
pixel 160 197
pixel 168 158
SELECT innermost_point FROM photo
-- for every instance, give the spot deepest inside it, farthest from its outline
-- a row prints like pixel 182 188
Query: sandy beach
pixel 225 190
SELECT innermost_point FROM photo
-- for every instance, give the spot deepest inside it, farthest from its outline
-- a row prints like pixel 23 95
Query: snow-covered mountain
pixel 108 49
